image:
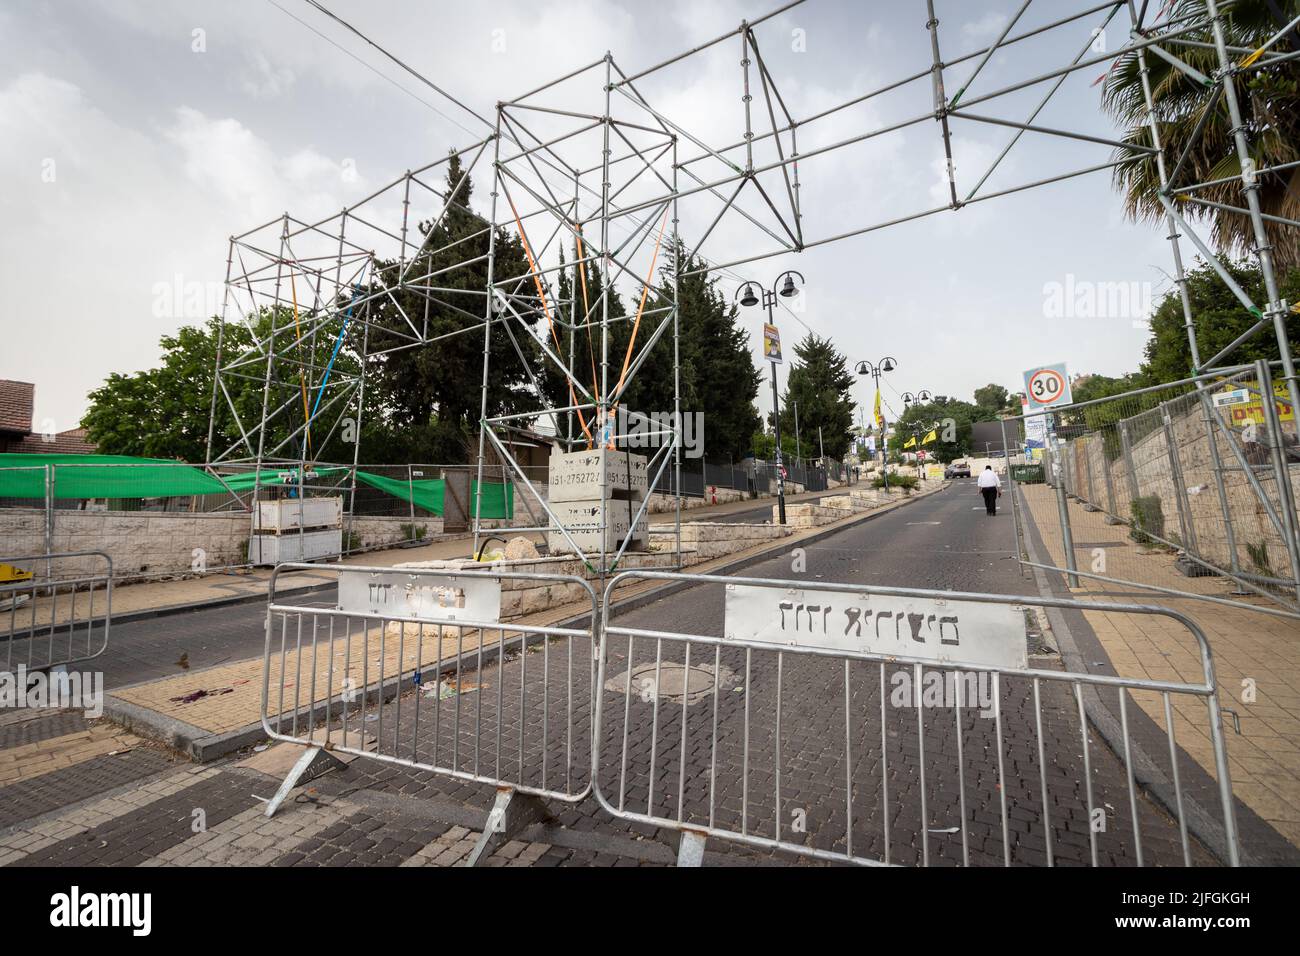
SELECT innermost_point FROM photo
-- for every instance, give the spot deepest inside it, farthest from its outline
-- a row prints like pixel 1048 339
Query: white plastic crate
pixel 269 549
pixel 293 513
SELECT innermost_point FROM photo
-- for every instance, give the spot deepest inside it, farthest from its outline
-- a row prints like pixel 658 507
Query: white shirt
pixel 989 479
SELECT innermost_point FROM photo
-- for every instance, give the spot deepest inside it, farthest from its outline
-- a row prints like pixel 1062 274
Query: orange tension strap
pixel 541 294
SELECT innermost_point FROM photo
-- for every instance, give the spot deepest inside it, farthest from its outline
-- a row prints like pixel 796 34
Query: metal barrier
pixel 58 614
pixel 791 745
pixel 385 676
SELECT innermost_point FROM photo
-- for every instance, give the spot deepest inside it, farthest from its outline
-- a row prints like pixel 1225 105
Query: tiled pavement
pixel 1251 650
pixel 147 809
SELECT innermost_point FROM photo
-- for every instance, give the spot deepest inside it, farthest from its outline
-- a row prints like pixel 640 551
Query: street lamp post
pixel 875 370
pixel 922 397
pixel 749 294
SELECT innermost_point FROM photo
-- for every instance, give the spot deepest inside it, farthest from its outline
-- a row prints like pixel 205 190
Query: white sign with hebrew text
pixel 425 597
pixel 940 630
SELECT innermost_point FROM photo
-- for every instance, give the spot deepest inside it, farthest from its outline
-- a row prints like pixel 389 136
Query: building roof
pixel 70 442
pixel 16 406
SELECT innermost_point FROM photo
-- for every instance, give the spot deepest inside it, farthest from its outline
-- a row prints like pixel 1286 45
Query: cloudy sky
pixel 140 134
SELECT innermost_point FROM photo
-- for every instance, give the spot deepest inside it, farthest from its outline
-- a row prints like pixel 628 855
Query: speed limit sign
pixel 1048 386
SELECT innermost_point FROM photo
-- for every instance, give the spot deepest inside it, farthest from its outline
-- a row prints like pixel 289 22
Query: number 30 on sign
pixel 1047 386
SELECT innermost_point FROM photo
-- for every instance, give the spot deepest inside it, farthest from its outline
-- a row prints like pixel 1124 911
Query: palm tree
pixel 1270 106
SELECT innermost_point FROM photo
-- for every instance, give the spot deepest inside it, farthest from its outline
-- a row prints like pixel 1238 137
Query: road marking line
pixel 925 522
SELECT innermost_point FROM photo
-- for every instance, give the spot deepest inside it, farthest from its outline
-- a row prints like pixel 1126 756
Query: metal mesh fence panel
pixel 1187 487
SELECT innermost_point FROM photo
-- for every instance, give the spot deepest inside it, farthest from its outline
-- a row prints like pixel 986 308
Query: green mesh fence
pixel 124 476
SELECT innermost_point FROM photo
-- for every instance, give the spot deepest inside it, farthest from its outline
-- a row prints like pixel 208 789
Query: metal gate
pixel 55 609
pixel 407 668
pixel 779 733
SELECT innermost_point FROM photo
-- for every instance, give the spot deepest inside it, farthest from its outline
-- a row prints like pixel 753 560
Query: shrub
pixel 906 482
pixel 1148 516
pixel 1259 558
pixel 413 532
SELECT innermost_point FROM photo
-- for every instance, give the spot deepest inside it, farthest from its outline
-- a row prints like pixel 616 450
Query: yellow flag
pixel 910 443
pixel 880 420
pixel 930 437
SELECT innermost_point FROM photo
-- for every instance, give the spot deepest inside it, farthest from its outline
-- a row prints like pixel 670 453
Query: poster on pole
pixel 1048 386
pixel 1035 428
pixel 771 343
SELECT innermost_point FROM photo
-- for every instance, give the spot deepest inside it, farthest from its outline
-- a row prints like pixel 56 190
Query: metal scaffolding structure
pixel 589 162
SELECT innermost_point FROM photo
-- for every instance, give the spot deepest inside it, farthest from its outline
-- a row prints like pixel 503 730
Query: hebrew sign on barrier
pixel 943 631
pixel 468 597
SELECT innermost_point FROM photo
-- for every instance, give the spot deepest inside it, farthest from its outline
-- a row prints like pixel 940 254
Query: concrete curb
pixel 204 746
pixel 171 609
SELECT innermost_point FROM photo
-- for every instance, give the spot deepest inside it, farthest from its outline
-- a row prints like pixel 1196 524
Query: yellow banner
pixel 1241 413
pixel 930 437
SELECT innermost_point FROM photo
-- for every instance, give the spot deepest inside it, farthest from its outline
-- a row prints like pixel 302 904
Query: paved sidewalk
pixel 1251 651
pixel 138 805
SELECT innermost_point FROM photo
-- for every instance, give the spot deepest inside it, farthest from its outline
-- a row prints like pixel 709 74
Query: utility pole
pixel 776 425
pixel 748 296
pixel 798 445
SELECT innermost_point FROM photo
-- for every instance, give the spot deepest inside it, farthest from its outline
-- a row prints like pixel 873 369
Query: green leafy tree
pixel 1270 106
pixel 163 412
pixel 1218 319
pixel 995 400
pixel 717 374
pixel 820 382
pixel 950 418
pixel 763 445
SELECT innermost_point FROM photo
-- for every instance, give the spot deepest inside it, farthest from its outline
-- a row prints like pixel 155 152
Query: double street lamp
pixel 750 294
pixel 923 397
pixel 875 370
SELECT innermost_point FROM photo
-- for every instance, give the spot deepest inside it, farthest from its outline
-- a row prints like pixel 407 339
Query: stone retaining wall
pixel 1100 476
pixel 139 542
pixel 705 540
pixel 373 532
pixel 168 542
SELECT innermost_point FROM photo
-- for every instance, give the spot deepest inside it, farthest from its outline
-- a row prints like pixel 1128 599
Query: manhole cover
pixel 672 682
